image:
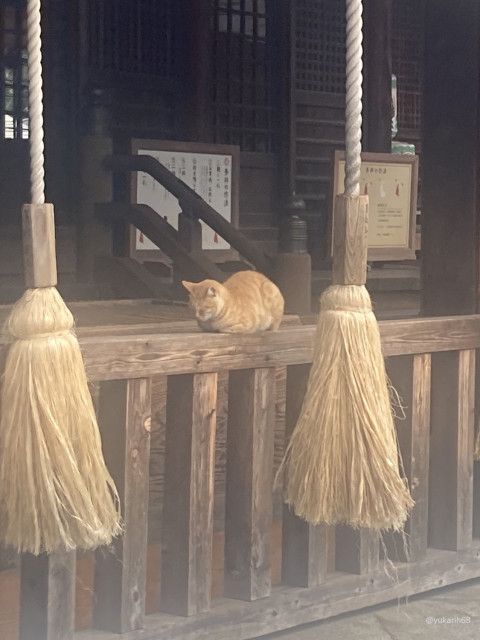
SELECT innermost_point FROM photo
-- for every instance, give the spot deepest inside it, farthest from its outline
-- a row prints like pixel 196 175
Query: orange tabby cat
pixel 245 303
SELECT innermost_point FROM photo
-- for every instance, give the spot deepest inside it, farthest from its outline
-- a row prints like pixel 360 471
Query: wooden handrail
pixel 138 355
pixel 192 203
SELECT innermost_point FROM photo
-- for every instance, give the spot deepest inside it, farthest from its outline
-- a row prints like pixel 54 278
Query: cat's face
pixel 205 298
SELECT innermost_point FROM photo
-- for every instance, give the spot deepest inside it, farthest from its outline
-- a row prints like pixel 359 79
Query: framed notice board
pixel 211 170
pixel 391 182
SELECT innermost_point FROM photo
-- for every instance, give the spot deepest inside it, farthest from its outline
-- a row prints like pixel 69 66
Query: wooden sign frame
pixel 176 146
pixel 393 252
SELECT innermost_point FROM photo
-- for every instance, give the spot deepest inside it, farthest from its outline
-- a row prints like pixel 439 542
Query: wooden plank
pixel 289 607
pixel 304 546
pixel 356 550
pixel 120 571
pixel 38 227
pixel 47 596
pixel 248 510
pixel 186 575
pixel 451 450
pixel 411 379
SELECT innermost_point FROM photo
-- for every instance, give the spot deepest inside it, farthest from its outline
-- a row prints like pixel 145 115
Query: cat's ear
pixel 189 286
pixel 211 292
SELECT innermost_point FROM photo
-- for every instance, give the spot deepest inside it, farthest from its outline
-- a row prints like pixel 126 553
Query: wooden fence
pixel 431 363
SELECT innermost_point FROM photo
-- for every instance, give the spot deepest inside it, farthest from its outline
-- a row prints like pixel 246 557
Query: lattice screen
pixel 242 73
pixel 407 62
pixel 320 45
pixel 133 37
pixel 13 69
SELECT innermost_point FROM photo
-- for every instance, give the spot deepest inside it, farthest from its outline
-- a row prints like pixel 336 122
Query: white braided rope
pixel 35 101
pixel 353 111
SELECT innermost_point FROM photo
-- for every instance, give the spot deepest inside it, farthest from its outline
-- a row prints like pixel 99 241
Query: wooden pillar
pixel 377 105
pixel 186 574
pixel 449 148
pixel 94 239
pixel 248 503
pixel 120 570
pixel 47 596
pixel 198 112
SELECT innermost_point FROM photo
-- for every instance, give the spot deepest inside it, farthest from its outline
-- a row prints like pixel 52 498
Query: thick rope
pixel 35 101
pixel 353 112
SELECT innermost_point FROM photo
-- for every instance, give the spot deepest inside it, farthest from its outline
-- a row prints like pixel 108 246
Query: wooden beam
pixel 186 570
pixel 248 509
pixel 47 596
pixel 120 571
pixel 451 451
pixel 304 546
pixel 449 155
pixel 144 355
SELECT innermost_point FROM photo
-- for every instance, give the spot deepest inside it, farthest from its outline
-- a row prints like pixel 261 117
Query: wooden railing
pixel 324 572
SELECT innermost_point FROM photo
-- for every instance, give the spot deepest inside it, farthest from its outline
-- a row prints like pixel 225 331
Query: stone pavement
pixel 452 613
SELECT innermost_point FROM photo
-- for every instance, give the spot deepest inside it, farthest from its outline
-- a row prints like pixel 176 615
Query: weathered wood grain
pixel 411 377
pixel 248 511
pixel 350 226
pixel 289 607
pixel 451 451
pixel 119 357
pixel 304 546
pixel 189 483
pixel 120 571
pixel 356 550
pixel 38 231
pixel 47 596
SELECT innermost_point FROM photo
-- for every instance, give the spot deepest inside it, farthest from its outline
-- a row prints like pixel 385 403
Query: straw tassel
pixel 55 490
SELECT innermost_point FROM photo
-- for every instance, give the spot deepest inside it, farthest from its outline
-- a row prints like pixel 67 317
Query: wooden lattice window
pixel 129 37
pixel 14 70
pixel 242 73
pixel 407 64
pixel 320 45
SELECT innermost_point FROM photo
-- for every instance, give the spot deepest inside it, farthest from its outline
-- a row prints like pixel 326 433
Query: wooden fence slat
pixel 356 550
pixel 411 377
pixel 304 546
pixel 120 570
pixel 248 517
pixel 47 597
pixel 451 451
pixel 186 572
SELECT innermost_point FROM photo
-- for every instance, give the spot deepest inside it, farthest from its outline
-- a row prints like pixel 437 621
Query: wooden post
pixel 248 516
pixel 47 596
pixel 450 158
pixel 377 111
pixel 451 450
pixel 411 379
pixel 186 571
pixel 96 186
pixel 304 554
pixel 120 571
